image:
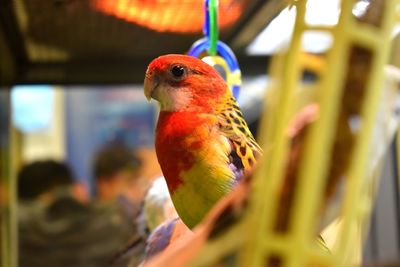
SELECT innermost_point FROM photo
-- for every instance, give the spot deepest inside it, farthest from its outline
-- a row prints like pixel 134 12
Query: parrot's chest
pixel 193 157
pixel 181 142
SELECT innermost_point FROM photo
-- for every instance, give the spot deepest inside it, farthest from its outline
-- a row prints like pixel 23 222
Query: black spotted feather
pixel 244 149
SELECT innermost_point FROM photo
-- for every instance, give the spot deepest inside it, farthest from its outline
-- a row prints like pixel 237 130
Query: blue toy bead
pixel 202 45
pixel 198 47
pixel 228 55
pixel 235 91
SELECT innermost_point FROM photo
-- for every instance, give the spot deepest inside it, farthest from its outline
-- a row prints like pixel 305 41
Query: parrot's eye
pixel 178 71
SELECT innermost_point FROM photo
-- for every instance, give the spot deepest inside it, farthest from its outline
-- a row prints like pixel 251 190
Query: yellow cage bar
pixel 254 241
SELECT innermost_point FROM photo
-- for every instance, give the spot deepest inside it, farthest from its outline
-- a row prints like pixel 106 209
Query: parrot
pixel 227 213
pixel 203 144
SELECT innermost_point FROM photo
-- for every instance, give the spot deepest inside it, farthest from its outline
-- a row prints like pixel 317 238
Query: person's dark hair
pixel 113 158
pixel 42 176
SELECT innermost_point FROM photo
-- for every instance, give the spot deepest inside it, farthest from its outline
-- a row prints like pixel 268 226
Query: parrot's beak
pixel 150 85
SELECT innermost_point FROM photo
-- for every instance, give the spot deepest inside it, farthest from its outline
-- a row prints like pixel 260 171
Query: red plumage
pixel 174 151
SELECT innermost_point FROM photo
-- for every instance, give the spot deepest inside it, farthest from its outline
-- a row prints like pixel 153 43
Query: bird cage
pixel 344 116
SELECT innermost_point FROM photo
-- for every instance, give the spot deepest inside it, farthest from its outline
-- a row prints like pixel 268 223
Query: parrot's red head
pixel 184 83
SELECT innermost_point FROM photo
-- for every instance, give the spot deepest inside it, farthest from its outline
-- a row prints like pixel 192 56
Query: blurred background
pixel 71 74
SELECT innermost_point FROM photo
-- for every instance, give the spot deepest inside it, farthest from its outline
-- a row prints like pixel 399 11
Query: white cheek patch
pixel 174 99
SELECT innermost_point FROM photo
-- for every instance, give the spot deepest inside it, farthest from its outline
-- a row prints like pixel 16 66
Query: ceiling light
pixel 181 16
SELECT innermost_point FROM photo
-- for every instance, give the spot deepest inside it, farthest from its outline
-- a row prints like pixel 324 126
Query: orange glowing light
pixel 181 16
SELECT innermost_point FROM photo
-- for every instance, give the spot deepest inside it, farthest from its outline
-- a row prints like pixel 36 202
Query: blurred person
pixel 34 182
pixel 132 179
pixel 150 169
pixel 119 186
pixel 156 206
pixel 41 184
pixel 57 227
pixel 115 169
